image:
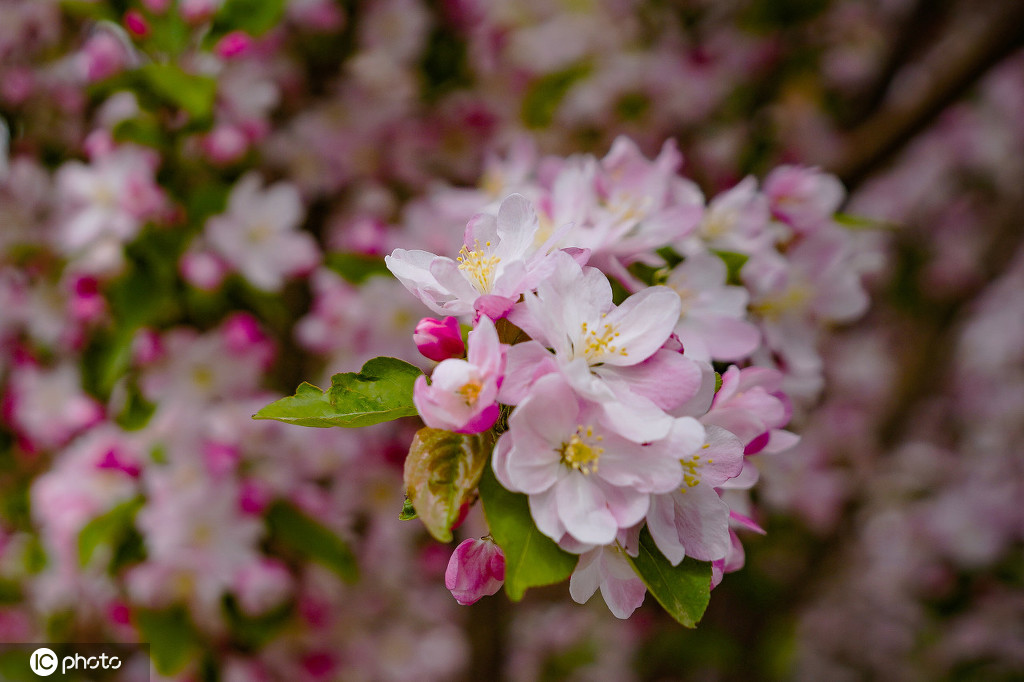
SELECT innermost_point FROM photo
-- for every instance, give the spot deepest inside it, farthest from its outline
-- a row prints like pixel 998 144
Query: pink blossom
pixel 439 340
pixel 476 569
pixel 462 395
pixel 104 54
pixel 713 322
pixel 47 407
pixel 584 479
pixel 499 261
pixel 736 220
pixel 803 198
pixel 258 233
pixel 262 585
pixel 752 406
pixel 693 520
pixel 608 569
pixel 109 199
pixel 607 353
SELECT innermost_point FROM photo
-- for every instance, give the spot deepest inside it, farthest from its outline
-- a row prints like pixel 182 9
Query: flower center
pixel 470 392
pixel 691 469
pixel 580 455
pixel 795 297
pixel 719 222
pixel 599 341
pixel 479 266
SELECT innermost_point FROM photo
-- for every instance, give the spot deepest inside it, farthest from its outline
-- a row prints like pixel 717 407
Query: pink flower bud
pixel 476 569
pixel 439 340
pixel 233 44
pixel 136 23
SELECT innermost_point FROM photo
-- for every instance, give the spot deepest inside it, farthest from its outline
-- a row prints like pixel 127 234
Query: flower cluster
pixel 603 402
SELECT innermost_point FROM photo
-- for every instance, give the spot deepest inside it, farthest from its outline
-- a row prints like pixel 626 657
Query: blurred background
pixel 139 332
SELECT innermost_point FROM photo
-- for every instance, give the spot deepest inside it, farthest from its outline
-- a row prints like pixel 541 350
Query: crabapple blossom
pixel 109 199
pixel 608 354
pixel 608 569
pixel 462 395
pixel 693 520
pixel 499 261
pixel 713 322
pixel 583 478
pixel 258 235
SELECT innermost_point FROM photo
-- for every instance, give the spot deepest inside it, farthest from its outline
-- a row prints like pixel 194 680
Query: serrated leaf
pixel 306 536
pixel 173 640
pixel 108 529
pixel 531 558
pixel 381 391
pixel 193 93
pixel 442 471
pixel 684 590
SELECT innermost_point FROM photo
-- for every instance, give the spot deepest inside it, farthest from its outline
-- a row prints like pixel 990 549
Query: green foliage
pixel 143 130
pixel 307 537
pixel 734 263
pixel 173 640
pixel 109 530
pixel 442 471
pixel 381 391
pixel 531 558
pixel 193 93
pixel 543 98
pixel 356 267
pixel 444 65
pixel 255 17
pixel 770 15
pixel 684 590
pixel 256 632
pixel 408 512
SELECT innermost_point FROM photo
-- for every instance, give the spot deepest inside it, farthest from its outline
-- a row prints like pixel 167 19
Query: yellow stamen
pixel 479 266
pixel 580 455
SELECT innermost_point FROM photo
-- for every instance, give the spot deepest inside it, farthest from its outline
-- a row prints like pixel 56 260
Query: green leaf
pixel 193 93
pixel 256 631
pixel 857 222
pixel 109 529
pixel 255 17
pixel 356 267
pixel 734 262
pixel 684 590
pixel 144 130
pixel 442 471
pixel 531 558
pixel 541 101
pixel 307 537
pixel 173 640
pixel 408 512
pixel 380 392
